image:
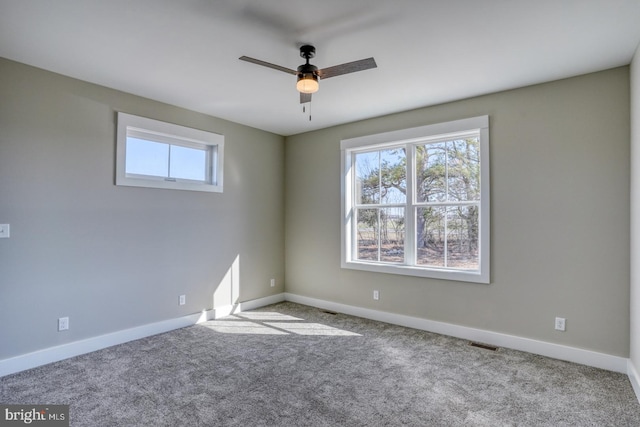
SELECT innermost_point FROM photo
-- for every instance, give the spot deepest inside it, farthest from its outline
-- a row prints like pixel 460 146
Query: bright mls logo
pixel 36 415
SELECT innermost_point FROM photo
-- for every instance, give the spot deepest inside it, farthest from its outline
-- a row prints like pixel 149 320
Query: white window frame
pixel 440 131
pixel 171 134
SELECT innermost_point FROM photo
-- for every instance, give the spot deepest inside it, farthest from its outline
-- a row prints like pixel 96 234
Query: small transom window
pixel 151 153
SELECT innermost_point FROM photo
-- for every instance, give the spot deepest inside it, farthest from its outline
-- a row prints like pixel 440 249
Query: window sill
pixel 407 270
pixel 167 184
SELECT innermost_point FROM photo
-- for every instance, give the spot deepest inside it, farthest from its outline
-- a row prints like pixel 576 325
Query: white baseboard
pixel 634 378
pixel 261 302
pixel 76 348
pixel 226 310
pixel 555 351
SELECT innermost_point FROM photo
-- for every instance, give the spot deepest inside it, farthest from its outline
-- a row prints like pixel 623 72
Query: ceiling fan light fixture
pixel 307 83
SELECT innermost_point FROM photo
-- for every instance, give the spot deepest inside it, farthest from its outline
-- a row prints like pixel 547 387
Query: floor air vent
pixel 483 346
pixel 329 312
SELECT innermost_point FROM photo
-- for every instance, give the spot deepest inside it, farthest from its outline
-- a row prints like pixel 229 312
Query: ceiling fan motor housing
pixel 307 51
pixel 308 69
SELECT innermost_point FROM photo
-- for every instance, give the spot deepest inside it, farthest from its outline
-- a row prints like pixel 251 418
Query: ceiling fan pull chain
pixel 304 109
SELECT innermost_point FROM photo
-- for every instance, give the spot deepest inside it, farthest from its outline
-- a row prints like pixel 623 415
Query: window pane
pixel 368 234
pixel 462 237
pixel 188 163
pixel 392 235
pixel 146 157
pixel 431 165
pixel 463 171
pixel 367 178
pixel 393 179
pixel 430 236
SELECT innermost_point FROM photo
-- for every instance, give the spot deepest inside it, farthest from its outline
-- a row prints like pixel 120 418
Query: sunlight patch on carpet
pixel 311 329
pixel 272 323
pixel 266 315
pixel 240 327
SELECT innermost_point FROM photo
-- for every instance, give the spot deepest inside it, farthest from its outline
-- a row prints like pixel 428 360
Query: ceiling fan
pixel 309 75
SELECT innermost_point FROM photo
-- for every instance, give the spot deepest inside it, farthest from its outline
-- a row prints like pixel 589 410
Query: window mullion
pixel 409 210
pixel 379 235
pixel 351 194
pixel 379 178
pixel 446 237
pixel 446 170
pixel 445 204
pixel 169 163
pixel 446 209
pixel 379 209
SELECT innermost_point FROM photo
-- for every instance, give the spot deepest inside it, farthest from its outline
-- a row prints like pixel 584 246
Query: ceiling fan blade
pixel 268 65
pixel 305 97
pixel 349 67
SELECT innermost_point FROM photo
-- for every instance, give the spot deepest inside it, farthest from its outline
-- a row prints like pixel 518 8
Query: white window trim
pixel 175 135
pixel 480 124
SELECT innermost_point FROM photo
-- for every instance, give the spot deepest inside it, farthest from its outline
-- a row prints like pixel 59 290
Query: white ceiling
pixel 428 52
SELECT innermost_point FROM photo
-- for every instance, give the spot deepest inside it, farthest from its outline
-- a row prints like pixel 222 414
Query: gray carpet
pixel 292 365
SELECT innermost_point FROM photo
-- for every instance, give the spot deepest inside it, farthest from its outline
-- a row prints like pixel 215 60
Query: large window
pixel 156 154
pixel 416 201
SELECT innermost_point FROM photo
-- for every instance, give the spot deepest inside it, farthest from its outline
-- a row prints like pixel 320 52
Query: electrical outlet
pixel 4 231
pixel 273 283
pixel 63 323
pixel 376 295
pixel 183 299
pixel 560 324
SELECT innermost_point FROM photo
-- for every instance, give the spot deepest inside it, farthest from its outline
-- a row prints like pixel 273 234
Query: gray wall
pixel 635 212
pixel 559 226
pixel 112 257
